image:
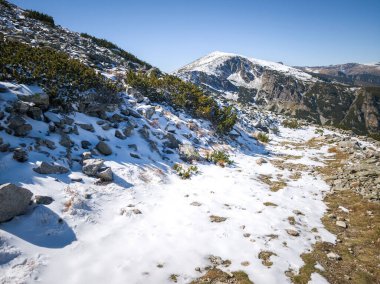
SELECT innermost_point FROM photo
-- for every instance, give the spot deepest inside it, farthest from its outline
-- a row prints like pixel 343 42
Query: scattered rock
pixel 119 135
pixel 86 155
pixel 196 203
pixel 334 256
pixel 341 224
pixel 292 232
pixel 92 166
pixel 261 161
pixel 14 201
pixel 20 155
pixel 41 199
pixel 105 175
pixel 103 148
pixel 217 219
pixel 86 126
pixel 134 155
pixel 85 144
pixel 46 168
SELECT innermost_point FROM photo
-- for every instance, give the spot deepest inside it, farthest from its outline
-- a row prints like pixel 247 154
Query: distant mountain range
pixel 321 94
pixel 349 73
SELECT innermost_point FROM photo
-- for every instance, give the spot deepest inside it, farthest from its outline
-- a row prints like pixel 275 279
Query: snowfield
pixel 149 224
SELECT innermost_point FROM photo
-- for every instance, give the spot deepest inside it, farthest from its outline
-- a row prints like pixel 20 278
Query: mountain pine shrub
pixel 40 16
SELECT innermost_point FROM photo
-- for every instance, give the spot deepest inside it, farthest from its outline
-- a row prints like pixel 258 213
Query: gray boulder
pixel 103 148
pixel 14 201
pixel 20 155
pixel 41 199
pixel 87 127
pixel 46 168
pixel 92 166
pixel 105 175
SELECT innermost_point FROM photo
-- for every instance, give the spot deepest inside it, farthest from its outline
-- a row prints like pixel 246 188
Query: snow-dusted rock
pixel 42 199
pixel 46 168
pixel 188 153
pixel 14 200
pixel 105 175
pixel 92 166
pixel 20 155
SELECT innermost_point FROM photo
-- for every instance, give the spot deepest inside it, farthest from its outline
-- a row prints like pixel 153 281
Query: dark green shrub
pixel 185 173
pixel 291 123
pixel 117 50
pixel 65 80
pixel 40 16
pixel 262 137
pixel 184 96
pixel 220 158
pixel 5 4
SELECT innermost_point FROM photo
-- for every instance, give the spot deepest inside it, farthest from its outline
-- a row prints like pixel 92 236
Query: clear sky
pixel 170 34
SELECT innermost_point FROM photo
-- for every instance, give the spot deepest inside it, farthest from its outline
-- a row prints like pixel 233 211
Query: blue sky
pixel 170 34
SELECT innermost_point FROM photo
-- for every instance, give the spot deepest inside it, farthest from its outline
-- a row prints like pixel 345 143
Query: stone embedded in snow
pixel 4 147
pixel 103 148
pixel 341 224
pixel 14 201
pixel 135 94
pixel 46 168
pixel 261 161
pixel 297 212
pixel 92 166
pixel 292 232
pixel 217 219
pixel 172 142
pixel 19 125
pixel 119 135
pixel 20 155
pixel 75 178
pixel 128 129
pixel 134 155
pixel 334 256
pixel 33 94
pixel 86 155
pixel 86 126
pixel 105 175
pixel 196 203
pixel 85 144
pixel 188 153
pixel 53 117
pixel 41 199
pixel 65 140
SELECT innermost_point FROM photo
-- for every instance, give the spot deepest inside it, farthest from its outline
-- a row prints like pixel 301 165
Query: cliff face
pixel 287 90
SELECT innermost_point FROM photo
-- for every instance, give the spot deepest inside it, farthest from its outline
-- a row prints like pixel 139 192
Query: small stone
pixel 341 224
pixel 217 219
pixel 41 199
pixel 261 161
pixel 246 235
pixel 85 144
pixel 245 263
pixel 134 155
pixel 196 203
pixel 20 155
pixel 292 232
pixel 334 256
pixel 105 175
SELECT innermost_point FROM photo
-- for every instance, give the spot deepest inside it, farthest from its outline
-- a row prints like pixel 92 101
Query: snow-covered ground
pixel 149 224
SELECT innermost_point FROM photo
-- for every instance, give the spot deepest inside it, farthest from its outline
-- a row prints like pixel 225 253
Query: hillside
pixel 286 90
pixel 113 171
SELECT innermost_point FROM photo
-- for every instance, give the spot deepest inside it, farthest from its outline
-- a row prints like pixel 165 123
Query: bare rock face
pixel 46 168
pixel 14 201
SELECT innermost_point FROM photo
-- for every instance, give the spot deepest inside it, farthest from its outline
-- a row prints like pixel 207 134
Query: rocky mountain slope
pixel 350 73
pixel 112 171
pixel 286 90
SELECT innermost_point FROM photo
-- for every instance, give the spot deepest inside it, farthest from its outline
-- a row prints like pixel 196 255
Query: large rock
pixel 20 155
pixel 105 175
pixel 46 168
pixel 172 142
pixel 14 200
pixel 103 148
pixel 92 166
pixel 19 125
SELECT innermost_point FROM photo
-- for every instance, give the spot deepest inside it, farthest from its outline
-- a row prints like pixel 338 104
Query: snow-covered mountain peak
pixel 212 64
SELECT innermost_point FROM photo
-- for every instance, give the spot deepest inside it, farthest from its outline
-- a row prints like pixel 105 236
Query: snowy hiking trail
pixel 173 235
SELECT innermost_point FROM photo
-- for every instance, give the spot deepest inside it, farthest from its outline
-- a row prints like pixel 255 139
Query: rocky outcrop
pixel 14 201
pixel 96 168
